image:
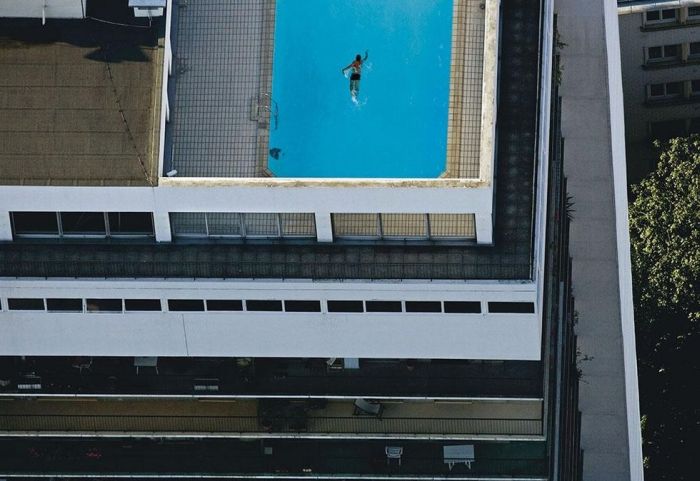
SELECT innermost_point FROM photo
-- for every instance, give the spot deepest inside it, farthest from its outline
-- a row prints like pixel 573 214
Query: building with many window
pixel 217 260
pixel 660 45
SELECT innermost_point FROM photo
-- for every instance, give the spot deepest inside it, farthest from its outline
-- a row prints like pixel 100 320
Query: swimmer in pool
pixel 356 71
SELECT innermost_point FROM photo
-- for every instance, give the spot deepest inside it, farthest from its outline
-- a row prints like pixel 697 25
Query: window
pixel 64 305
pixel 263 305
pixel 103 305
pixel 693 13
pixel 130 223
pixel 356 225
pixel 83 223
pixel 224 305
pixel 664 53
pixel 404 226
pixel 298 225
pixel 452 226
pixel 79 224
pixel 423 306
pixel 665 91
pixel 180 305
pixel 462 307
pixel 694 125
pixel 695 87
pixel 383 306
pixel 25 304
pixel 346 306
pixel 667 129
pixel 142 305
pixel 302 306
pixel 512 307
pixel 694 50
pixel 34 223
pixel 666 15
pixel 239 225
pixel 261 225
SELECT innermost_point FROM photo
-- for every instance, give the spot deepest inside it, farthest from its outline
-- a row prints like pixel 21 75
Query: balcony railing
pixel 254 424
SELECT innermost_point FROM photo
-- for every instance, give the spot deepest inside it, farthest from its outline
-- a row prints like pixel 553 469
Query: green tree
pixel 665 236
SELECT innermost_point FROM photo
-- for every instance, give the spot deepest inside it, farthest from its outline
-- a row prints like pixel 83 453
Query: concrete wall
pixel 286 334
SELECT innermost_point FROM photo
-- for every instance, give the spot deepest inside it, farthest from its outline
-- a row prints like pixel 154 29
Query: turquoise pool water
pixel 397 128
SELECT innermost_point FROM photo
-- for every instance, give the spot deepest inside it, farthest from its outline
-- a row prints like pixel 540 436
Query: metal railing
pixel 254 424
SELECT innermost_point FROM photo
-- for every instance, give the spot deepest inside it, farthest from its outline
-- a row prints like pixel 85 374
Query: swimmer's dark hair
pixel 358 57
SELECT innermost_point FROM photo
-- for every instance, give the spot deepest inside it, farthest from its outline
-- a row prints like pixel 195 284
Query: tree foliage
pixel 665 236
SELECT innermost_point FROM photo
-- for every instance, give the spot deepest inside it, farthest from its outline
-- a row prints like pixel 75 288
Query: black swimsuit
pixel 355 76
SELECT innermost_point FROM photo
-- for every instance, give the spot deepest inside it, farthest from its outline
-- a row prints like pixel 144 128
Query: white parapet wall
pixel 43 8
pixel 229 195
pixel 449 335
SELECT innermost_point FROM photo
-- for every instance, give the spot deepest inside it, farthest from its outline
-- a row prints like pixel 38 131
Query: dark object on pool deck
pixel 275 153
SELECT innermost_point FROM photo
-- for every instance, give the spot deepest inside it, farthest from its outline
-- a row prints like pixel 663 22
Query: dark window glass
pixel 25 304
pixel 302 306
pixel 653 15
pixel 35 223
pixel 130 223
pixel 671 51
pixel 693 11
pixel 423 306
pixel 86 223
pixel 103 305
pixel 224 305
pixel 668 13
pixel 185 304
pixel 694 127
pixel 383 306
pixel 667 129
pixel 694 48
pixel 655 52
pixel 656 90
pixel 263 305
pixel 142 304
pixel 512 307
pixel 695 86
pixel 674 88
pixel 462 307
pixel 71 305
pixel 346 306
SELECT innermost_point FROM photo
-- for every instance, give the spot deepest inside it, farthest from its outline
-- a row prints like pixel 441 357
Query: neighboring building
pixel 660 44
pixel 181 243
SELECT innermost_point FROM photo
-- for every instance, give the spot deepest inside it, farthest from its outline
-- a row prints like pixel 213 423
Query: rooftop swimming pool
pixel 396 127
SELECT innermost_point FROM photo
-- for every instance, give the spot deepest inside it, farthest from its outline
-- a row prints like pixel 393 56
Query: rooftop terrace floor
pixel 79 101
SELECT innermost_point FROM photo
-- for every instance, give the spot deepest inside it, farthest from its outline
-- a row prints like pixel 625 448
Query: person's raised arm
pixel 366 55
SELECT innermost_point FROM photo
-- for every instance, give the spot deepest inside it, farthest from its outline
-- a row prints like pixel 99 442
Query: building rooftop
pixel 80 100
pixel 509 259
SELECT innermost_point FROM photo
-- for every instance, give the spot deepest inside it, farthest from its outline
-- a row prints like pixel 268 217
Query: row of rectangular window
pixel 263 305
pixel 82 224
pixel 673 90
pixel 671 16
pixel 672 53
